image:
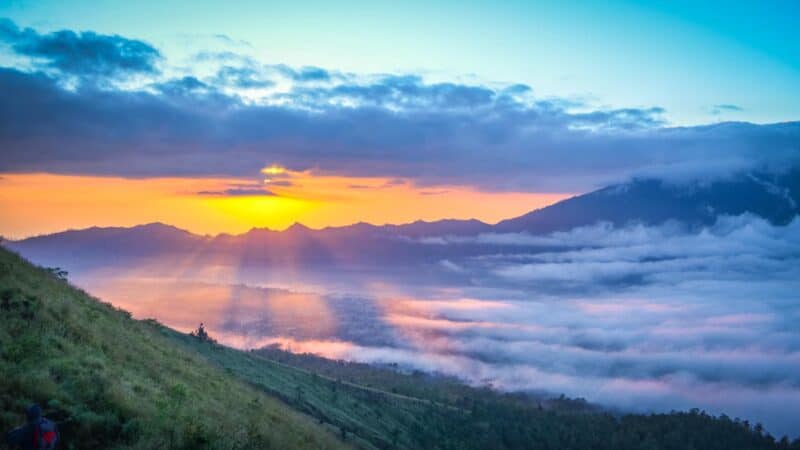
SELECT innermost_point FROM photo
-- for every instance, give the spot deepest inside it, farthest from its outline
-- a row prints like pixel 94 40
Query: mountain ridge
pixel 649 201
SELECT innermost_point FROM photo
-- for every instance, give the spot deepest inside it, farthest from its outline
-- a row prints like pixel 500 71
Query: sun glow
pixel 273 170
pixel 259 211
pixel 43 203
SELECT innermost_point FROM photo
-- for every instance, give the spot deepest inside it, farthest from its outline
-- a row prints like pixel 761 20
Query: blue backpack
pixel 45 435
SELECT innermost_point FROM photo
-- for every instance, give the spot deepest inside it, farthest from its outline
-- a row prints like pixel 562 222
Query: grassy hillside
pixel 114 382
pixel 435 387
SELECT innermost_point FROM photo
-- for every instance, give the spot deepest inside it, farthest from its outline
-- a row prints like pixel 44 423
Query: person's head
pixel 34 413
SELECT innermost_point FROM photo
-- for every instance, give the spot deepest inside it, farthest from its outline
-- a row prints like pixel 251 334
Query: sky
pixel 688 57
pixel 466 110
pixel 34 204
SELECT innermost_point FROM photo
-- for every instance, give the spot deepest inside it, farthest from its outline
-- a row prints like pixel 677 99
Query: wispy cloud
pixel 725 108
pixel 238 192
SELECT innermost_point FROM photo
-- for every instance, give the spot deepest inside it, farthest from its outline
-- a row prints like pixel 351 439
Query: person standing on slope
pixel 38 434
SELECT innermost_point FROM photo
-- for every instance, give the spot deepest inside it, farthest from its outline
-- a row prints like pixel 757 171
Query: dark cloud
pixel 728 107
pixel 396 93
pixel 241 77
pixel 397 126
pixel 235 70
pixel 303 74
pixel 224 38
pixel 725 108
pixel 394 182
pixel 238 192
pixel 182 86
pixel 281 183
pixel 394 127
pixel 621 119
pixel 82 54
pixel 224 56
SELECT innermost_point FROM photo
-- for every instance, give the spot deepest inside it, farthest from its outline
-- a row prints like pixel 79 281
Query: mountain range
pixel 772 196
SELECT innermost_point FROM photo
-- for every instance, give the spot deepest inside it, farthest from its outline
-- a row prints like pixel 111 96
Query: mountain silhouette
pixel 772 196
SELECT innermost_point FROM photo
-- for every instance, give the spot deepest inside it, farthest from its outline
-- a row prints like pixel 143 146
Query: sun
pixel 274 169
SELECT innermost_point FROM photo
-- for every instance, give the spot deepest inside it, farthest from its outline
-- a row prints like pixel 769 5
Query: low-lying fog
pixel 640 318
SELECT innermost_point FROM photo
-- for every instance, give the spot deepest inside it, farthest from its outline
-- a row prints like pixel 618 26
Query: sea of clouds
pixel 639 318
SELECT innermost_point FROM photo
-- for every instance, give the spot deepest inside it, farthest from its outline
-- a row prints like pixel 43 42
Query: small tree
pixel 58 272
pixel 201 334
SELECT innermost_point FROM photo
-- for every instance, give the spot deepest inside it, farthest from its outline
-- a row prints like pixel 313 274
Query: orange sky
pixel 39 203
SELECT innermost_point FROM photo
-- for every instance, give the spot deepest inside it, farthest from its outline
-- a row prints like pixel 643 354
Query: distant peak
pixel 158 226
pixel 297 226
pixel 155 225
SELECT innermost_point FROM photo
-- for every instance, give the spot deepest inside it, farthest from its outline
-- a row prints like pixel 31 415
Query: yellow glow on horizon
pixel 253 209
pixel 39 203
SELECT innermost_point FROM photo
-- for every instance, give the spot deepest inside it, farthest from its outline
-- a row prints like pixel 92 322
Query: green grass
pixel 434 387
pixel 114 382
pixel 368 416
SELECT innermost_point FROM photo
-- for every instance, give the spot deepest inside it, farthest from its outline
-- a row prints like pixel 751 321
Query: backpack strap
pixel 37 435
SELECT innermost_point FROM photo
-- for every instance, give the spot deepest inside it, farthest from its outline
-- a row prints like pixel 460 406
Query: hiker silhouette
pixel 38 434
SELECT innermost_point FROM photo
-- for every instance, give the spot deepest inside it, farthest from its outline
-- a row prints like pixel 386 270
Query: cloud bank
pixel 72 114
pixel 643 318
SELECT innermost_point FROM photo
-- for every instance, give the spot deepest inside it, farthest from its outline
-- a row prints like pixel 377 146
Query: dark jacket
pixel 26 436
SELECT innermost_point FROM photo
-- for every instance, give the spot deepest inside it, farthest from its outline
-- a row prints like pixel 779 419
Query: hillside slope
pixel 114 382
pixel 379 408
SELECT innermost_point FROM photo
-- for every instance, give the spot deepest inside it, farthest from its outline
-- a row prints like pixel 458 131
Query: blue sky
pixel 687 57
